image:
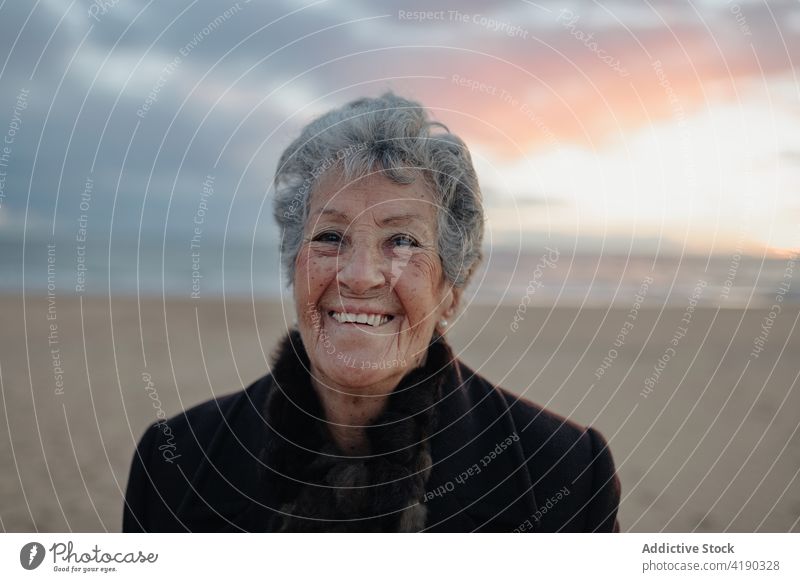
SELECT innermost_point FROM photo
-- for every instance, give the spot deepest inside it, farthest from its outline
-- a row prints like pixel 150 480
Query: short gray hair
pixel 393 135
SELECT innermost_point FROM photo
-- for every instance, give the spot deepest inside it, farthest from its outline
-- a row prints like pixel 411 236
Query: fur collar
pixel 318 488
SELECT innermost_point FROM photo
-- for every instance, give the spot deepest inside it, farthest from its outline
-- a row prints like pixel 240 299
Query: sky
pixel 621 126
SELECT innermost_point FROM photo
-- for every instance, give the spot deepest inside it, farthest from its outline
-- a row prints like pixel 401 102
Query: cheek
pixel 311 278
pixel 421 283
pixel 312 274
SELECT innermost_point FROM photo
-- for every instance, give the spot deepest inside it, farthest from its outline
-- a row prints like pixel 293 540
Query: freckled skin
pixel 351 256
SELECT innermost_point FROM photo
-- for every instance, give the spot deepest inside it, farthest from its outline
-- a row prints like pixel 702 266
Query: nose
pixel 361 270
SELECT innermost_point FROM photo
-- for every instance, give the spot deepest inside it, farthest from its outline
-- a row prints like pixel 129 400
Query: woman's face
pixel 369 288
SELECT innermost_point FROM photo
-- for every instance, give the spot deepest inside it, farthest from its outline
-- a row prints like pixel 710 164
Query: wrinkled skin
pixel 369 247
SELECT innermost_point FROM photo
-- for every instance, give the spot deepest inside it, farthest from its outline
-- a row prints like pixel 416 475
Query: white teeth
pixel 370 319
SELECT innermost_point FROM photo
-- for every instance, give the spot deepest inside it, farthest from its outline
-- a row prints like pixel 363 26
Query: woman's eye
pixel 329 237
pixel 404 240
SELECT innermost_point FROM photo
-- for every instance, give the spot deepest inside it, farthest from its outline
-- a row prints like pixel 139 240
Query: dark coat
pixel 501 464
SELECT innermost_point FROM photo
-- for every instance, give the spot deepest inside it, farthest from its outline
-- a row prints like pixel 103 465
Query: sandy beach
pixel 701 415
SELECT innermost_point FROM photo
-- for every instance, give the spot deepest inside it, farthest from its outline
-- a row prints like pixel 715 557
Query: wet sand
pixel 709 443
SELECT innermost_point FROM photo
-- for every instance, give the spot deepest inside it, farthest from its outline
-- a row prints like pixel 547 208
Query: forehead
pixel 374 195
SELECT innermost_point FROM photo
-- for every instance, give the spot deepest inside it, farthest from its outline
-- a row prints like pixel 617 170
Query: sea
pixel 545 276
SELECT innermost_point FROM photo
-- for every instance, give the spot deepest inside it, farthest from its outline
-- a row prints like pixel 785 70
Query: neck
pixel 313 487
pixel 349 414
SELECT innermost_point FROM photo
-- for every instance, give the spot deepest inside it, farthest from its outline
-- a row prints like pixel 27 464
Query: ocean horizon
pixel 546 276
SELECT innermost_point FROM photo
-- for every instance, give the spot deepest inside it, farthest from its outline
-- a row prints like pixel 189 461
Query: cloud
pixel 251 74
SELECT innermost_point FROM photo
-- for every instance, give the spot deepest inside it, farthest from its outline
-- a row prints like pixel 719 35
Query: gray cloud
pixel 84 97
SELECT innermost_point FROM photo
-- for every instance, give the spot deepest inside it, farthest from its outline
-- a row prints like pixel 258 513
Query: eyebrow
pixel 402 218
pixel 333 213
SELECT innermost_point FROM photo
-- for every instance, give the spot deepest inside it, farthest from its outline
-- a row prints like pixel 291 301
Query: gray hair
pixel 393 135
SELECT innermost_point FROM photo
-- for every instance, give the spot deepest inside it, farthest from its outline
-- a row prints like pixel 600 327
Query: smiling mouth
pixel 371 319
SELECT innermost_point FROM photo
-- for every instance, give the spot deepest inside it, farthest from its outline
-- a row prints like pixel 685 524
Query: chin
pixel 353 376
pixel 359 368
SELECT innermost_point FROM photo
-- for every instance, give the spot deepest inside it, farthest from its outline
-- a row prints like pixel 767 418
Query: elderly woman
pixel 366 421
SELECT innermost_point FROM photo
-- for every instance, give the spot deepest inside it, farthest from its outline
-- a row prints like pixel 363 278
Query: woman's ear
pixel 455 294
pixel 450 303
